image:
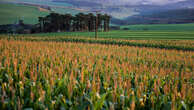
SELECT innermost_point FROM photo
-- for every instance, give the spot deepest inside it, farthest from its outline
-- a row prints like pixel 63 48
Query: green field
pixel 29 14
pixel 136 32
pixel 10 13
pixel 122 34
pixel 161 27
pixel 44 2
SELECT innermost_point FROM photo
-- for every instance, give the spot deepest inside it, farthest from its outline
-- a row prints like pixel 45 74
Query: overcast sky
pixel 120 2
pixel 134 2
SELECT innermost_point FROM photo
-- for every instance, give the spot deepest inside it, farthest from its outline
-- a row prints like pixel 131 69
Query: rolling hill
pixel 29 14
pixel 176 16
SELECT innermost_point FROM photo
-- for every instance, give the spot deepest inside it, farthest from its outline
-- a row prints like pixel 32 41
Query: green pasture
pixel 137 32
pixel 123 34
pixel 10 13
pixel 160 27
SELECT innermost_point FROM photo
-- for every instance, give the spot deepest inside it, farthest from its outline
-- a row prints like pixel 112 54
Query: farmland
pixel 160 27
pixel 121 69
pixel 62 75
pixel 136 32
pixel 30 14
pixel 185 45
pixel 82 55
pixel 181 40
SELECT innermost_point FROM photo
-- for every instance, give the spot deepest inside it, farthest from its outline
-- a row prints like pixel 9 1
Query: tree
pixel 80 22
pixel 100 19
pixel 108 23
pixel 67 21
pixel 91 22
pixel 40 19
pixel 106 19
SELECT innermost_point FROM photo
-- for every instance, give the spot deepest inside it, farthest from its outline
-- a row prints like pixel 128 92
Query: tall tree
pixel 67 21
pixel 106 22
pixel 80 22
pixel 91 22
pixel 100 19
pixel 40 19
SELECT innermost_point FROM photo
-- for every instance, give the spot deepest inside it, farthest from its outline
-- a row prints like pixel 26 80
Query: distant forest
pixel 55 22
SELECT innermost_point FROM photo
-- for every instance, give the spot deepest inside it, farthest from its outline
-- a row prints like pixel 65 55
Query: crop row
pixel 55 75
pixel 162 44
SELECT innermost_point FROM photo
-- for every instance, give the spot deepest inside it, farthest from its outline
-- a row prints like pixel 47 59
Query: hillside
pixel 162 17
pixel 29 14
pixel 38 2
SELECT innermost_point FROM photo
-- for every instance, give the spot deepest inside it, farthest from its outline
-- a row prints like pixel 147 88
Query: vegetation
pixel 174 16
pixel 124 34
pixel 160 27
pixel 50 75
pixel 184 45
pixel 80 22
pixel 71 70
pixel 52 22
pixel 29 14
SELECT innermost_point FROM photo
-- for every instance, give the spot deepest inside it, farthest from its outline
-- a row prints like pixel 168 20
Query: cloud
pixel 133 2
pixel 162 2
pixel 123 13
pixel 124 8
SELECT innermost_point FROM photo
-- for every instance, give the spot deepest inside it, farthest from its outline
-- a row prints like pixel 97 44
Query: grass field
pixel 10 13
pixel 123 34
pixel 29 14
pixel 44 2
pixel 161 27
pixel 137 32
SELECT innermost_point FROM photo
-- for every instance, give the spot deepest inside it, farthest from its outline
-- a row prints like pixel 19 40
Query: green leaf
pixel 100 102
pixel 184 105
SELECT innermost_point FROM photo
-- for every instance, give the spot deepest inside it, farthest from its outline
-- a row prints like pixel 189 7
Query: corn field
pixel 76 76
pixel 185 45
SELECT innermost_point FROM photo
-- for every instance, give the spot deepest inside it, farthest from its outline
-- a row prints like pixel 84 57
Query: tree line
pixel 55 22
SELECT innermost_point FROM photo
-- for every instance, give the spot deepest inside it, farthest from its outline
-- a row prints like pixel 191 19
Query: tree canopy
pixel 55 22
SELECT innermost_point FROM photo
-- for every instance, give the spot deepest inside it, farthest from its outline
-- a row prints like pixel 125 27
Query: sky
pixel 124 8
pixel 119 2
pixel 134 2
pixel 127 11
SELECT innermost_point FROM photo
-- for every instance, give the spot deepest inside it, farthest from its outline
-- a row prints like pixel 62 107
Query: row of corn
pixel 78 76
pixel 185 45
